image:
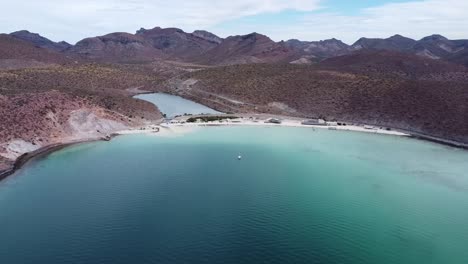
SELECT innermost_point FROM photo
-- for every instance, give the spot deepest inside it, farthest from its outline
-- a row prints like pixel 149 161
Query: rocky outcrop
pixel 207 36
pixel 83 123
pixel 15 148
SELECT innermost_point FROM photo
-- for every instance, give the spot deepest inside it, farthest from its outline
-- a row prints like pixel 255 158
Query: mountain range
pixel 203 47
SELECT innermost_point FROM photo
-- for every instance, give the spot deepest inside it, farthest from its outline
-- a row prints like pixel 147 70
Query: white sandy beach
pixel 179 126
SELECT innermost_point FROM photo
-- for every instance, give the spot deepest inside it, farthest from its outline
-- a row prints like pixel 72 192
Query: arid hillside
pixel 42 117
pixel 431 98
pixel 109 87
pixel 43 106
pixel 75 78
pixel 392 64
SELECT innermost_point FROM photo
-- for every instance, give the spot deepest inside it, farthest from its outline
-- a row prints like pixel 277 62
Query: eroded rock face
pixel 207 36
pixel 85 123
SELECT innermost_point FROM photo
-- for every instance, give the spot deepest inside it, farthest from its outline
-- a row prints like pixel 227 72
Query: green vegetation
pixel 210 118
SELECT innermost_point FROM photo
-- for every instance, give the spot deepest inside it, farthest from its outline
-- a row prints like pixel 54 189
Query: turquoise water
pixel 297 196
pixel 172 105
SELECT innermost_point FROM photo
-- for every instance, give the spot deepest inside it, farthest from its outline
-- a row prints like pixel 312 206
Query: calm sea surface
pixel 175 105
pixel 297 196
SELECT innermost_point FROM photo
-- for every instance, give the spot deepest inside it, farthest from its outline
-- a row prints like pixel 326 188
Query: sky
pixel 347 20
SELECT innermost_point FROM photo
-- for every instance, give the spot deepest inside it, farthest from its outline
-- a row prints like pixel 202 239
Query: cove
pixel 297 196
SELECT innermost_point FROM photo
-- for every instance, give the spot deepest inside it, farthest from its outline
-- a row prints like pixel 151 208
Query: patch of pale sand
pixel 164 130
pixel 137 90
pixel 16 148
pixel 373 130
pixel 142 130
pixel 175 130
pixel 282 106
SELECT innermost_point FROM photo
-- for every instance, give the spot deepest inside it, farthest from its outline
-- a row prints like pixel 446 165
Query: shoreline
pixel 49 149
pixel 41 152
pixel 290 121
pixel 156 128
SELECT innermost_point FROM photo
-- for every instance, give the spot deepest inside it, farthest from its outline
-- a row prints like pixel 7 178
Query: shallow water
pixel 172 105
pixel 297 196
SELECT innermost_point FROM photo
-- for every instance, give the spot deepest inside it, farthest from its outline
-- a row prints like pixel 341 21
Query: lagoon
pixel 172 105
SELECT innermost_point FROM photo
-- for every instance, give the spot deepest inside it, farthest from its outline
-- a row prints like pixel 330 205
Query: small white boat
pixel 239 157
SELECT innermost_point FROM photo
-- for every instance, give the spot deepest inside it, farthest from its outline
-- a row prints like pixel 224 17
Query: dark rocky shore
pixel 42 152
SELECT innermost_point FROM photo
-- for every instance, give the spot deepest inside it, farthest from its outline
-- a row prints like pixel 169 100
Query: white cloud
pixel 73 20
pixel 414 19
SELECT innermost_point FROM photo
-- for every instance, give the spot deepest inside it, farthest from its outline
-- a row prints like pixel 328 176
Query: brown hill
pixel 434 46
pixel 16 53
pixel 318 49
pixel 352 93
pixel 175 43
pixel 251 48
pixel 40 41
pixel 146 45
pixel 392 64
pixel 397 43
pixel 438 47
pixel 116 47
